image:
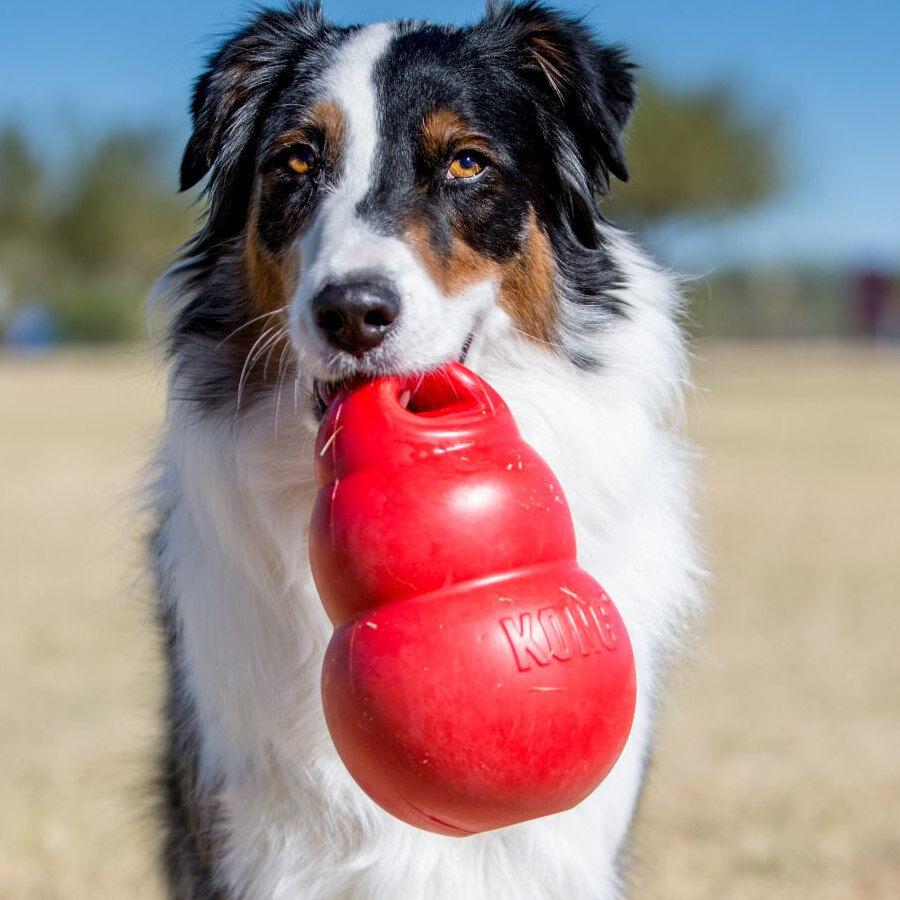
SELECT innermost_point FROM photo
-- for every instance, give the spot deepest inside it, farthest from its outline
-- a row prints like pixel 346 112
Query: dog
pixel 384 199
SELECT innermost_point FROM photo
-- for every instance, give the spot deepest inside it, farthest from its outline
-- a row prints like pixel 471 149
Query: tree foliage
pixel 88 233
pixel 20 177
pixel 694 155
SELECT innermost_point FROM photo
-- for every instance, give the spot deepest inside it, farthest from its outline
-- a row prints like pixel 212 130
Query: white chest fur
pixel 254 633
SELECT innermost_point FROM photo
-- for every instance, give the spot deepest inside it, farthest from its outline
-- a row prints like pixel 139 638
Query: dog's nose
pixel 356 316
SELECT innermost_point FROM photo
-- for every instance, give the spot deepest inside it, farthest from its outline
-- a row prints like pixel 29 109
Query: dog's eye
pixel 302 159
pixel 466 164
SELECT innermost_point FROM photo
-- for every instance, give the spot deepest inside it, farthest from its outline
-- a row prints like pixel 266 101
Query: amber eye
pixel 466 164
pixel 302 159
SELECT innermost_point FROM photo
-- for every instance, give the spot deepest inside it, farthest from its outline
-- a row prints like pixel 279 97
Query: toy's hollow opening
pixel 436 395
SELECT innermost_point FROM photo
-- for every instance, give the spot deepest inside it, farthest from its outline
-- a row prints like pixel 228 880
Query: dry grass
pixel 776 773
pixel 79 667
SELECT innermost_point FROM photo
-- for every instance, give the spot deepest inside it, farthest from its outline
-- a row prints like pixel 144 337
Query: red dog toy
pixel 477 677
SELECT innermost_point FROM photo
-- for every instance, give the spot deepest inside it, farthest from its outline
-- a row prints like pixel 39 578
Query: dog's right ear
pixel 238 81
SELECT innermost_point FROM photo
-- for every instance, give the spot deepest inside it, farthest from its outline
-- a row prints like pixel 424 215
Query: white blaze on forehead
pixel 350 85
pixel 338 243
pixel 330 246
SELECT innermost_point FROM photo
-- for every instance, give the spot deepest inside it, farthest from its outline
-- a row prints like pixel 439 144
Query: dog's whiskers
pixel 279 381
pixel 265 342
pixel 247 324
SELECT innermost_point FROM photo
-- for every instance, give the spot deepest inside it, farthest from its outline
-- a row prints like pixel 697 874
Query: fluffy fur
pixel 516 268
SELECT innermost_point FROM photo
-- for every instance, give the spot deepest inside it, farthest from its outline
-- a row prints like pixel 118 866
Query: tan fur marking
pixel 526 282
pixel 325 117
pixel 262 344
pixel 551 59
pixel 270 281
pixel 527 286
pixel 461 267
pixel 329 119
pixel 294 136
pixel 444 131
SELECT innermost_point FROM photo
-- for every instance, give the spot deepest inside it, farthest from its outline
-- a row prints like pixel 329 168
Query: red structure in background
pixel 870 298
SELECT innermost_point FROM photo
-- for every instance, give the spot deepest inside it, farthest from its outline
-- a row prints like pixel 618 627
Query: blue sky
pixel 829 71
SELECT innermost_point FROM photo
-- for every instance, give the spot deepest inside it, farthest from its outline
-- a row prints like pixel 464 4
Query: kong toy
pixel 477 677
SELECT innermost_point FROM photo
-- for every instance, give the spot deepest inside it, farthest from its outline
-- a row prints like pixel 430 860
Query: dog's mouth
pixel 324 392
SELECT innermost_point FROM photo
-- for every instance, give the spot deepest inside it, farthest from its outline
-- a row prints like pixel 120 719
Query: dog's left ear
pixel 590 85
pixel 239 79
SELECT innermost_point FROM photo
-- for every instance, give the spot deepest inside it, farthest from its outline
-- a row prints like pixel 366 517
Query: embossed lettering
pixel 585 627
pixel 601 613
pixel 557 631
pixel 553 624
pixel 523 643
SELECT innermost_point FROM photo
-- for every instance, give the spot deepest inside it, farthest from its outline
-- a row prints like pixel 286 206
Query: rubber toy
pixel 477 677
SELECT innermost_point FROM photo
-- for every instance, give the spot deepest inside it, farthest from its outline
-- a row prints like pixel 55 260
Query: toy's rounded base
pixel 484 705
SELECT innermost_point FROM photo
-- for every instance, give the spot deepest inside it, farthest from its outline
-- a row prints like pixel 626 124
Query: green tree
pixel 20 179
pixel 91 234
pixel 693 155
pixel 121 214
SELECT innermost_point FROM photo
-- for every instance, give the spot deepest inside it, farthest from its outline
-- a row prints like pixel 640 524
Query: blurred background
pixel 764 167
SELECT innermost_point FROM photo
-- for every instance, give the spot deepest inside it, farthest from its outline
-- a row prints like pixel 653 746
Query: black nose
pixel 356 316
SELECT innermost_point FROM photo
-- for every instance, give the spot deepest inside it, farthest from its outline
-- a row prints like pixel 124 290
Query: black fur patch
pixel 191 817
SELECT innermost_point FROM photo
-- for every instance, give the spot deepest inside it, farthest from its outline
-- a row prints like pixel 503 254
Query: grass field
pixel 778 764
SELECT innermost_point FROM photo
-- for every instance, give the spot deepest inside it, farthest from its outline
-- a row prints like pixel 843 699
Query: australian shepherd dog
pixel 383 199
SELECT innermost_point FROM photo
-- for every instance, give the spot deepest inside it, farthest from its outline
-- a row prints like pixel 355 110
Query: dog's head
pixel 384 188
